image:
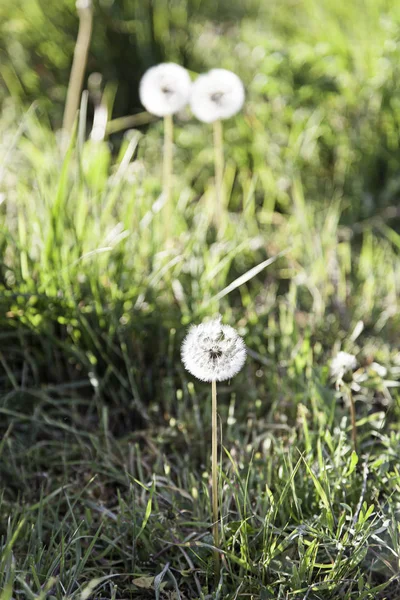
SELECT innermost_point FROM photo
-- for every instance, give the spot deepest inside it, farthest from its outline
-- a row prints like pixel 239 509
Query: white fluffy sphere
pixel 219 94
pixel 213 352
pixel 165 89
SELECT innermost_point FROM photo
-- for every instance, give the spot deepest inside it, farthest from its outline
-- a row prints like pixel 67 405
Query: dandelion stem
pixel 167 168
pixel 214 468
pixel 219 169
pixel 85 13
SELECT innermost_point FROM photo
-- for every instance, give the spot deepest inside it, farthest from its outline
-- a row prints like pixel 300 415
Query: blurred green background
pixel 322 80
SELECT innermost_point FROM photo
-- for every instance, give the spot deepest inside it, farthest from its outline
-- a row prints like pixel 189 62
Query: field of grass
pixel 105 438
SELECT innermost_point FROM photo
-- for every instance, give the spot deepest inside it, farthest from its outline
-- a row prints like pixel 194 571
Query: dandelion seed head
pixel 83 4
pixel 165 89
pixel 342 363
pixel 213 352
pixel 218 94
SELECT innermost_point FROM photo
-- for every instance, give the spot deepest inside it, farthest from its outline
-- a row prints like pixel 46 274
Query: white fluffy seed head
pixel 218 94
pixel 213 352
pixel 165 89
pixel 342 363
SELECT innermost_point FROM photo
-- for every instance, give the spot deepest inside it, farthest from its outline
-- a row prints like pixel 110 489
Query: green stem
pixel 78 65
pixel 214 468
pixel 219 170
pixel 167 168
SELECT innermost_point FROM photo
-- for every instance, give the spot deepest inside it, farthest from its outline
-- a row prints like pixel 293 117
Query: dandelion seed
pixel 165 89
pixel 216 95
pixel 213 352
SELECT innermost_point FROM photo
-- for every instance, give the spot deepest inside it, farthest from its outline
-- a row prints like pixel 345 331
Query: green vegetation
pixel 105 439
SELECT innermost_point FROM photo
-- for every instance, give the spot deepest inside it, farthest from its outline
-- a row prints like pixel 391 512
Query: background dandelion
pixel 341 364
pixel 217 95
pixel 164 90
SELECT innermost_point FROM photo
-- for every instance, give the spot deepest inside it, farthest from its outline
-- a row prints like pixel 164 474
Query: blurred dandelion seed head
pixel 83 4
pixel 165 89
pixel 213 352
pixel 342 363
pixel 218 94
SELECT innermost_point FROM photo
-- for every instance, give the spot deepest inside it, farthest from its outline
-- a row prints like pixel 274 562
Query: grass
pixel 105 439
pixel 105 453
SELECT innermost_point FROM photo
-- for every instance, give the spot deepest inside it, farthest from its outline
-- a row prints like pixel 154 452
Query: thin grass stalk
pixel 353 420
pixel 121 123
pixel 219 170
pixel 167 168
pixel 214 471
pixel 85 12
